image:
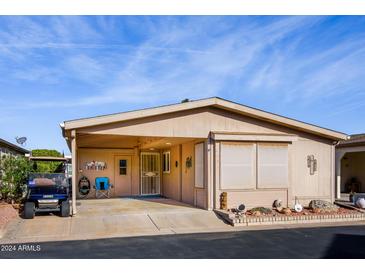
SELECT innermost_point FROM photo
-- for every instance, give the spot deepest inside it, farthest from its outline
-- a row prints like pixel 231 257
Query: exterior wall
pixel 198 123
pixel 8 151
pixel 179 184
pixel 321 184
pixel 353 165
pixel 85 155
pixel 301 184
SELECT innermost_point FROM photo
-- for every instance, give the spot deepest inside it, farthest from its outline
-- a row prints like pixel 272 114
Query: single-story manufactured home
pixel 196 150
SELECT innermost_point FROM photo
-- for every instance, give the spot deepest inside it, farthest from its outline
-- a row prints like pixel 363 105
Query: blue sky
pixel 58 68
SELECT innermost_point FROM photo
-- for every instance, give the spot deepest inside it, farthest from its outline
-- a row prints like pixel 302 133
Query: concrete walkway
pixel 106 218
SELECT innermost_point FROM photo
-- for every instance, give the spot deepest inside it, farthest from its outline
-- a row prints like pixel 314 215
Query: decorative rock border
pixel 302 219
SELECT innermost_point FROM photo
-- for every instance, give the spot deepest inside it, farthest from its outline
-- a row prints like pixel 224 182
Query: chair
pixel 102 187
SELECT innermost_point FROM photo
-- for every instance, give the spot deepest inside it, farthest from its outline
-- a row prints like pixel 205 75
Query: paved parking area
pixel 120 217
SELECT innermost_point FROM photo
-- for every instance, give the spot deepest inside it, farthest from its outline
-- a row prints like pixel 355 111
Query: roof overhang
pixel 210 102
pixel 14 147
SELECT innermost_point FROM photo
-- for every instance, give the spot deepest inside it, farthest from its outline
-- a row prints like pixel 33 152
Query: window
pixel 166 162
pixel 272 166
pixel 199 165
pixel 123 167
pixel 238 166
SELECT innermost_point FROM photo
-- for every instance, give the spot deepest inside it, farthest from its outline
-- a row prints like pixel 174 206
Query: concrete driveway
pixel 120 217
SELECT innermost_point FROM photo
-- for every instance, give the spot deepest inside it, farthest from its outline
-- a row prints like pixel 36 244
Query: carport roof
pixel 208 102
pixel 354 140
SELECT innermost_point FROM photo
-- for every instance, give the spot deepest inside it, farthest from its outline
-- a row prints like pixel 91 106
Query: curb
pixel 279 220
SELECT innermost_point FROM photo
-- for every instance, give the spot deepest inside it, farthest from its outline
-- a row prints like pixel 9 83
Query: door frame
pixel 141 172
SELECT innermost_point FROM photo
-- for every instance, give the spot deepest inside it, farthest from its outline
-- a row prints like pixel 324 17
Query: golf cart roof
pixel 48 158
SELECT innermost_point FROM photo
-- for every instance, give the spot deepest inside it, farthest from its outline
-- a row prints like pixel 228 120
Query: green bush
pixel 45 167
pixel 14 172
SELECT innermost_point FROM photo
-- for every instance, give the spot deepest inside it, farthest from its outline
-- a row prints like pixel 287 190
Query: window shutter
pixel 237 166
pixel 272 166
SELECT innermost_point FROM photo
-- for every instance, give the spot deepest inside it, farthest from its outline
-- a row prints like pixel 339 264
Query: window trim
pixel 166 162
pixel 124 167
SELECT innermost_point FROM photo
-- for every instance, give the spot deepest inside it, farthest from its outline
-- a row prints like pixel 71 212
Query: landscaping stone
pixel 360 203
pixel 320 206
pixel 262 210
pixel 286 211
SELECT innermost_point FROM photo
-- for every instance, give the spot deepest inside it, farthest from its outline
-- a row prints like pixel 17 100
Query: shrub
pixel 14 172
pixel 46 167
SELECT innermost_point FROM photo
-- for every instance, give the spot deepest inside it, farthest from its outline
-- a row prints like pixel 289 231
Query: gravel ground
pixel 7 213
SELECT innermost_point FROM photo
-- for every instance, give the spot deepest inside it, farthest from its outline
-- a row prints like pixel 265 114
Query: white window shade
pixel 237 166
pixel 199 165
pixel 272 166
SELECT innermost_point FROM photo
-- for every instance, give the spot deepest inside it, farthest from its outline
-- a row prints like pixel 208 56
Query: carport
pixel 350 165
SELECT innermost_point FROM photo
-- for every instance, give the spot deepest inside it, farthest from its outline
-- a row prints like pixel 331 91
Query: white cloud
pixel 178 58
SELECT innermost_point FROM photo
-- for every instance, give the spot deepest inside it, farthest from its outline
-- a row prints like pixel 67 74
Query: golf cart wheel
pixel 29 210
pixel 65 209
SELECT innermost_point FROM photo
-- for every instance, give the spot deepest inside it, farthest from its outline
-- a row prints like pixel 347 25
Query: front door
pixel 123 176
pixel 150 173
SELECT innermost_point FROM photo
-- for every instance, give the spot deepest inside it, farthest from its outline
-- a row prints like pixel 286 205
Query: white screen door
pixel 150 173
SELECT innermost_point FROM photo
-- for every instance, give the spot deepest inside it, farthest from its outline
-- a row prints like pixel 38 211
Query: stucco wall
pixel 186 192
pixel 196 123
pixel 108 156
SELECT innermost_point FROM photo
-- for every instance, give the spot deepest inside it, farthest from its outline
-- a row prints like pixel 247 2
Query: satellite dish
pixel 21 140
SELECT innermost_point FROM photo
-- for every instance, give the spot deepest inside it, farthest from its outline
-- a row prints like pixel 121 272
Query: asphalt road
pixel 324 242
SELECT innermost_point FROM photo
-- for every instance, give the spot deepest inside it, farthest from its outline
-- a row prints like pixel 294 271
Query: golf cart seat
pixel 102 187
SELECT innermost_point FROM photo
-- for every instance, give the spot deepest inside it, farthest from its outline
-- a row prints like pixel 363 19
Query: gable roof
pixel 209 102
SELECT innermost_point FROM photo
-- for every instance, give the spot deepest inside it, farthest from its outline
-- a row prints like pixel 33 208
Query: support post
pixel 74 170
pixel 209 150
pixel 339 155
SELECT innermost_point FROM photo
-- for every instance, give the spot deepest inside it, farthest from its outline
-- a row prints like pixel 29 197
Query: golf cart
pixel 48 192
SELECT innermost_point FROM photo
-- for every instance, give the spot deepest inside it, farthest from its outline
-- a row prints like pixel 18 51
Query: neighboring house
pixel 7 148
pixel 350 165
pixel 194 151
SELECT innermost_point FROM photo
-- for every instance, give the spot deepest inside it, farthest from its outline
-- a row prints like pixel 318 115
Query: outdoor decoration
pixel 360 203
pixel 311 164
pixel 241 207
pixel 84 187
pixel 278 203
pixel 95 165
pixel 223 200
pixel 189 162
pixel 298 207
